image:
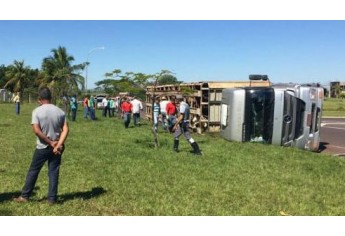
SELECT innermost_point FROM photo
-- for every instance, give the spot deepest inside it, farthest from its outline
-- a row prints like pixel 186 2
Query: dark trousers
pixel 92 113
pixel 136 118
pixel 39 158
pixel 183 128
pixel 127 119
pixel 171 121
pixel 74 114
pixel 106 110
pixel 17 108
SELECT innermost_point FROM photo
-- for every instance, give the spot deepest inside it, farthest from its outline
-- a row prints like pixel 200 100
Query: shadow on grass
pixel 94 192
pixel 9 196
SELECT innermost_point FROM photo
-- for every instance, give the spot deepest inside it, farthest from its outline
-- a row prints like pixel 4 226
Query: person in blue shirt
pixel 74 107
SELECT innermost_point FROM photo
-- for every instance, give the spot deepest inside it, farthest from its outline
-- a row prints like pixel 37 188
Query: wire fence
pixel 28 97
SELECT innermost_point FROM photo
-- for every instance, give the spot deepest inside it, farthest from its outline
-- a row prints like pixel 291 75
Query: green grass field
pixel 334 107
pixel 110 170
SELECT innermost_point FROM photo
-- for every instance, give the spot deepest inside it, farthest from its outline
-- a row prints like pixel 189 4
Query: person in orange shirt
pixel 126 108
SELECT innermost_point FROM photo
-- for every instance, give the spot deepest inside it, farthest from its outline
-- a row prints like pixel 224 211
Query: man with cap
pixel 182 127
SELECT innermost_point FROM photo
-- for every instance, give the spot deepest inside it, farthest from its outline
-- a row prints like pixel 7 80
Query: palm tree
pixel 60 75
pixel 17 75
pixel 338 90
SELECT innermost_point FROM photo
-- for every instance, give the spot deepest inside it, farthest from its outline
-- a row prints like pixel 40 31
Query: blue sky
pixel 195 50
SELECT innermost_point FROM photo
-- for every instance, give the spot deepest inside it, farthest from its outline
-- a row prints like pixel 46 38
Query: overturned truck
pixel 204 98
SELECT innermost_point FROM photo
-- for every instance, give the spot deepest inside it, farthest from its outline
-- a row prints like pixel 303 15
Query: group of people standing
pixel 124 106
pixel 71 106
pixel 110 105
pixel 166 110
pixel 89 106
pixel 174 113
pixel 131 107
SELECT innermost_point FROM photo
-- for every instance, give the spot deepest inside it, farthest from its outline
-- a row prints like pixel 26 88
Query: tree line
pixel 63 77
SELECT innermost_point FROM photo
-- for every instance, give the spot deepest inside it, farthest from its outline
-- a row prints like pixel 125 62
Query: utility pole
pixel 87 64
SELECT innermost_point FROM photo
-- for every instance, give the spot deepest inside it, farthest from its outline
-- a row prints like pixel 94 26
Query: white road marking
pixel 334 123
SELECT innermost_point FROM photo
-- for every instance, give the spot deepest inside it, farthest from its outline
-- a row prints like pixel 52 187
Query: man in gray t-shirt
pixel 50 126
pixel 50 118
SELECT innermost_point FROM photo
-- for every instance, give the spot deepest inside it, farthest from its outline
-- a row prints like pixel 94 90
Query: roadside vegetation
pixel 64 77
pixel 334 107
pixel 109 170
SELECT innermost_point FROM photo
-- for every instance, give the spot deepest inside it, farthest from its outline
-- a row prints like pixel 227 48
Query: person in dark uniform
pixel 182 127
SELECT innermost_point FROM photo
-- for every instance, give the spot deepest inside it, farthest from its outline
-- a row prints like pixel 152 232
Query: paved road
pixel 333 136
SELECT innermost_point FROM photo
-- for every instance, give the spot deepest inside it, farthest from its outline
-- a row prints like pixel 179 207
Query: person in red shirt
pixel 126 108
pixel 171 113
pixel 86 106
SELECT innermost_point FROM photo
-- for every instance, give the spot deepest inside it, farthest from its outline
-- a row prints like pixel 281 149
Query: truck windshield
pixel 259 115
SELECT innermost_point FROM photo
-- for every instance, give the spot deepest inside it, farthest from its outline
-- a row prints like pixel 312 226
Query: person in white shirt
pixel 106 108
pixel 137 106
pixel 163 105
